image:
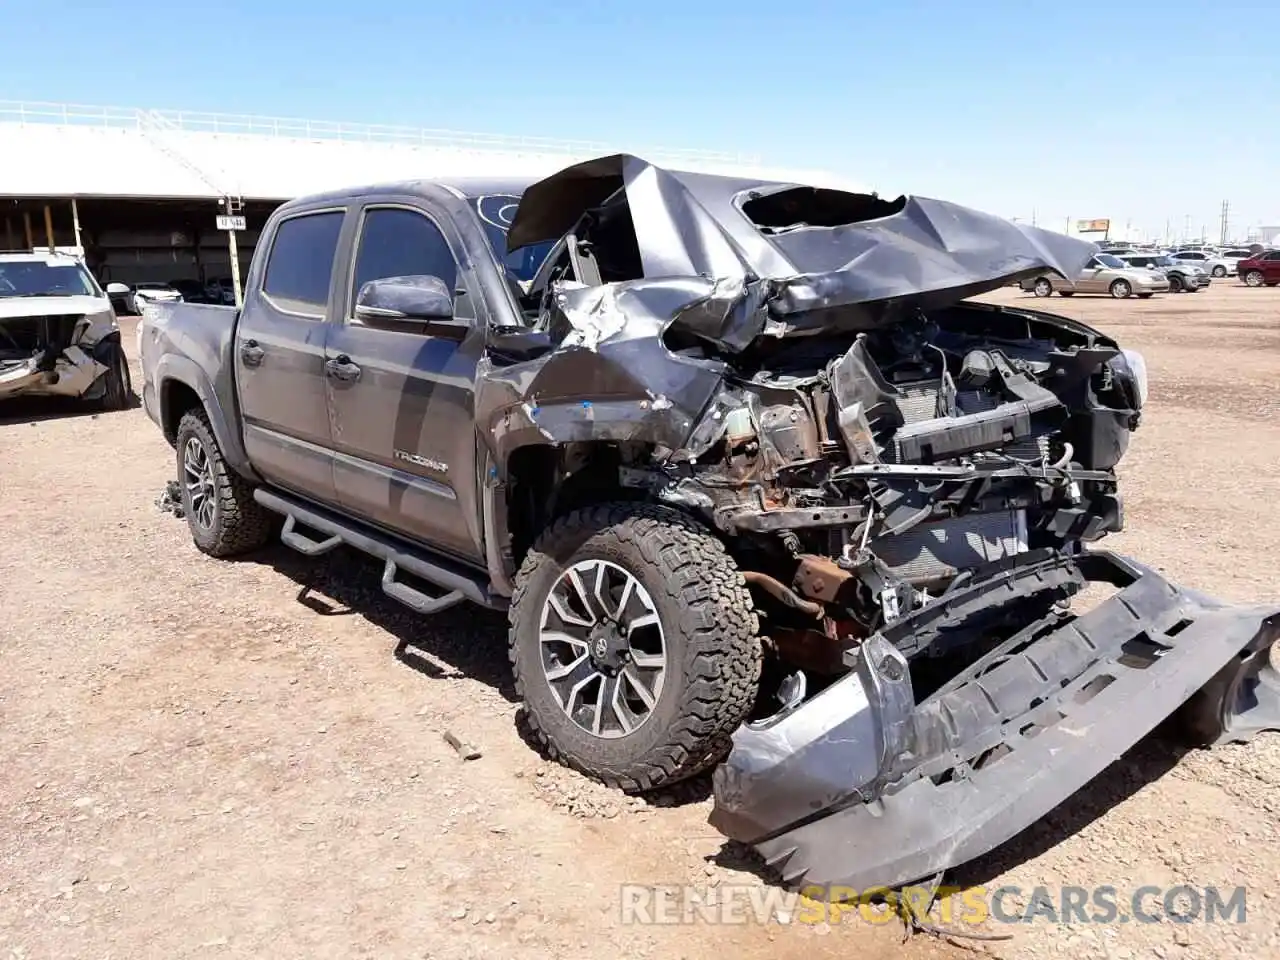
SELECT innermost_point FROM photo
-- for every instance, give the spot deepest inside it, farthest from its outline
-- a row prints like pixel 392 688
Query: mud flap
pixel 861 788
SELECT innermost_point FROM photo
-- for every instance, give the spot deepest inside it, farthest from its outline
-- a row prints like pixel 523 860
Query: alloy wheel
pixel 197 476
pixel 604 653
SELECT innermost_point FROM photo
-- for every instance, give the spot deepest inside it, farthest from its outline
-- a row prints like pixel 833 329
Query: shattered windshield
pixel 38 278
pixel 496 212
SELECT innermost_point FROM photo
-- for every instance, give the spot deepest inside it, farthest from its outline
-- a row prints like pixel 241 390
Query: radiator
pixel 942 549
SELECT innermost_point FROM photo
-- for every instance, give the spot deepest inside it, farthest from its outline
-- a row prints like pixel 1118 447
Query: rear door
pixel 404 429
pixel 279 355
pixel 1088 281
pixel 1271 266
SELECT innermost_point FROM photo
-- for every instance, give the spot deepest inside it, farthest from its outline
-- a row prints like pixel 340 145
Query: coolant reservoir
pixel 738 426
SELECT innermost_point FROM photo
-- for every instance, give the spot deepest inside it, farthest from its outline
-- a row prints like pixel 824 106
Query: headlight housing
pixel 1133 367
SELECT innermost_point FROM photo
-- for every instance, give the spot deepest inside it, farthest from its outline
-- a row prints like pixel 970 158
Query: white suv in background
pixel 58 332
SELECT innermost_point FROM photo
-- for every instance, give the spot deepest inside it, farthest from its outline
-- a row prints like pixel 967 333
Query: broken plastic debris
pixel 465 750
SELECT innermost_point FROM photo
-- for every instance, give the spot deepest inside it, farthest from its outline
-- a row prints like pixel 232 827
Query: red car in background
pixel 1261 268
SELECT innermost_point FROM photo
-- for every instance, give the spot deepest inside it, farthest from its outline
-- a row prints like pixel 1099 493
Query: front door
pixel 1271 267
pixel 404 428
pixel 279 356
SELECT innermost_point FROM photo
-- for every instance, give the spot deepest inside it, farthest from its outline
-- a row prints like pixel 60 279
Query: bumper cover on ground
pixel 863 788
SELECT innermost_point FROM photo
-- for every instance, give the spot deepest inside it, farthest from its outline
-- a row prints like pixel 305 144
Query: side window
pixel 1275 255
pixel 395 242
pixel 301 262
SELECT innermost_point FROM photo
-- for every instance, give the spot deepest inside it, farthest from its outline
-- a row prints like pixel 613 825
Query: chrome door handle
pixel 341 368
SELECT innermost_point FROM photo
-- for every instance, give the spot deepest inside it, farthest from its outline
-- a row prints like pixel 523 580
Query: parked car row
pixel 130 298
pixel 1123 272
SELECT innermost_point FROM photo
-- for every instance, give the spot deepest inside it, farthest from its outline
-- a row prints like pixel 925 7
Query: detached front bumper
pixel 862 788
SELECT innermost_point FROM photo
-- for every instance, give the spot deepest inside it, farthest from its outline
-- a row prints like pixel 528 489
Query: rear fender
pixel 175 368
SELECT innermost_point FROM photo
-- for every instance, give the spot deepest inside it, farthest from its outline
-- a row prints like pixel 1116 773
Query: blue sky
pixel 1149 112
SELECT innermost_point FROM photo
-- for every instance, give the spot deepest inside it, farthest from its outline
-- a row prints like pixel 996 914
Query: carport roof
pixel 55 150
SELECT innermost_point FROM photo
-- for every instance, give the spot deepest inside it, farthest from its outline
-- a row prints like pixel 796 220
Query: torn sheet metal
pixel 811 275
pixel 862 787
pixel 70 375
pixel 603 374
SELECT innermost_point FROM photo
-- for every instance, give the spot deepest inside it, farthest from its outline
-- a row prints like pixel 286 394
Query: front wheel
pixel 117 384
pixel 1175 283
pixel 1042 287
pixel 1253 278
pixel 1120 289
pixel 218 503
pixel 634 645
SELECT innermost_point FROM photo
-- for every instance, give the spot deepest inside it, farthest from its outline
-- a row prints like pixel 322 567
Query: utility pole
pixel 1226 213
pixel 1186 229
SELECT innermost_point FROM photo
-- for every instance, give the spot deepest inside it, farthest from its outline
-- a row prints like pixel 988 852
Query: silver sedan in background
pixel 1103 273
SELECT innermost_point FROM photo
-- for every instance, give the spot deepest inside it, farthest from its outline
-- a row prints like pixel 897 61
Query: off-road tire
pixel 117 383
pixel 714 653
pixel 240 524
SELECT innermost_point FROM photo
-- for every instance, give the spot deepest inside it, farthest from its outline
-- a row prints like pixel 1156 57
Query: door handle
pixel 341 368
pixel 251 353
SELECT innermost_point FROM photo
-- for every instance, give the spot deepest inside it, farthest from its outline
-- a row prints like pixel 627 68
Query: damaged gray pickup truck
pixel 761 489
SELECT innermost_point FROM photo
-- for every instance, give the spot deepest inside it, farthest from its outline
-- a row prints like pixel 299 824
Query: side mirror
pixel 117 290
pixel 414 301
pixel 418 302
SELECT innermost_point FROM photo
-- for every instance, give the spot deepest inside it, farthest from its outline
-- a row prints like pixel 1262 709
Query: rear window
pixel 301 262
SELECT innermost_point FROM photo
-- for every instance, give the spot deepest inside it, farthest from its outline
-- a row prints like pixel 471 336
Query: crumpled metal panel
pixel 73 373
pixel 808 279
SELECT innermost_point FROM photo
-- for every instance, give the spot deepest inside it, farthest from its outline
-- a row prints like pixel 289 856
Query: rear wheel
pixel 221 513
pixel 1219 271
pixel 1066 293
pixel 634 645
pixel 1120 289
pixel 1144 296
pixel 1042 287
pixel 1253 278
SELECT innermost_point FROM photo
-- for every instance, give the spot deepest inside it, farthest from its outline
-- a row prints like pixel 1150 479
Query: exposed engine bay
pixel 43 356
pixel 863 488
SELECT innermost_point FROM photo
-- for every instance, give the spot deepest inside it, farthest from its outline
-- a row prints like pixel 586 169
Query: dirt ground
pixel 245 759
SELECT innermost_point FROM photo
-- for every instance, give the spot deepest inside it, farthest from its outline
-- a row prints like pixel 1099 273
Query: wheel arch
pixel 546 480
pixel 182 386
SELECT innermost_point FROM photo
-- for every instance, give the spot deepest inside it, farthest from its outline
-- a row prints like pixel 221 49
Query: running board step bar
pixel 456 583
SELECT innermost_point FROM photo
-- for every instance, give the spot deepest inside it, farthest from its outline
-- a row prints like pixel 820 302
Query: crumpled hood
pixel 910 251
pixel 51 306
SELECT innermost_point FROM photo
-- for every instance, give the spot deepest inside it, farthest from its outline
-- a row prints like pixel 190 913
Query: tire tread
pixel 723 649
